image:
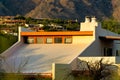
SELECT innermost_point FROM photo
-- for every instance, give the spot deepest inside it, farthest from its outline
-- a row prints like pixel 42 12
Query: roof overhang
pixel 109 37
pixel 67 33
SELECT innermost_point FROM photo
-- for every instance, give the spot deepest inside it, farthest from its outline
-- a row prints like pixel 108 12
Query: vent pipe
pixel 87 19
pixel 93 19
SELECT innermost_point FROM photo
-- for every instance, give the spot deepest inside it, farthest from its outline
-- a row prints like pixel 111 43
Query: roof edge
pixel 67 33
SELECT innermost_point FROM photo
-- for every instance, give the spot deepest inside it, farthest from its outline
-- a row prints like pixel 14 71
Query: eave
pixel 109 37
pixel 67 33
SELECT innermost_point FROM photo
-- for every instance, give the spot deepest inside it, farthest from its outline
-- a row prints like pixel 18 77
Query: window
pixel 117 52
pixel 40 40
pixel 49 40
pixel 25 39
pixel 107 51
pixel 58 40
pixel 68 40
pixel 30 40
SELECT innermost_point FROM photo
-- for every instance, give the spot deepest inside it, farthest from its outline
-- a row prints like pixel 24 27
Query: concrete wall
pixel 93 59
pixel 74 64
pixel 83 39
pixel 117 59
pixel 94 49
pixel 97 47
pixel 12 49
pixel 61 72
pixel 15 46
pixel 116 46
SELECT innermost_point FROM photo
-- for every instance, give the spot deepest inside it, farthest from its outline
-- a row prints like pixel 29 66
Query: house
pixel 55 52
pixel 13 22
pixel 9 20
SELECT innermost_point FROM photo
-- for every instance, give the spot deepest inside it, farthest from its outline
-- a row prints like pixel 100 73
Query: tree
pixel 19 17
pixel 95 71
pixel 111 24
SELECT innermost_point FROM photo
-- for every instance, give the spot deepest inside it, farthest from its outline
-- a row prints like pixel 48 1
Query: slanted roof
pixel 109 37
pixel 67 33
pixel 38 58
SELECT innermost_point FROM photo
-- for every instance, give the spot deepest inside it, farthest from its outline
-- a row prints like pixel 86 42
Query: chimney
pixel 90 24
pixel 93 19
pixel 87 19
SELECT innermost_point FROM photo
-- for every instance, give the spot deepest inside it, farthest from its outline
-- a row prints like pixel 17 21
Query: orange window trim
pixel 69 33
pixel 53 37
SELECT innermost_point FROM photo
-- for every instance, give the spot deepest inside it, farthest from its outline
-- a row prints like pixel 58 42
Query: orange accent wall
pixel 67 33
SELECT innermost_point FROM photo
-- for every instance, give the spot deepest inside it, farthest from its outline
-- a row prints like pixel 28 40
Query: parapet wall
pixel 12 49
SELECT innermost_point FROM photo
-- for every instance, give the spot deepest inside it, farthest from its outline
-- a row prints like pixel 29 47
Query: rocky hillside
pixel 70 9
pixel 14 7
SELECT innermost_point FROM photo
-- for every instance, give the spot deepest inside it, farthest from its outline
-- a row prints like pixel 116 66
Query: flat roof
pixel 66 33
pixel 38 58
pixel 110 37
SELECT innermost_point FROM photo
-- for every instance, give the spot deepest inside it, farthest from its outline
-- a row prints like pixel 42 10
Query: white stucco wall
pixel 89 26
pixel 94 48
pixel 116 46
pixel 83 39
pixel 61 72
pixel 93 59
pixel 97 47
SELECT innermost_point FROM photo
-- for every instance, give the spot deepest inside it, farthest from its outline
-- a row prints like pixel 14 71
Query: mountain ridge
pixel 66 9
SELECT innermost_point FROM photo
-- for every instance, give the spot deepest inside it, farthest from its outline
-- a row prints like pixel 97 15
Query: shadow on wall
pixel 90 50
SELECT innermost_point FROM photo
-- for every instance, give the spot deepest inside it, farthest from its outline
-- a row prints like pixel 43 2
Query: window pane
pixel 68 40
pixel 40 40
pixel 107 51
pixel 117 52
pixel 49 40
pixel 30 40
pixel 58 40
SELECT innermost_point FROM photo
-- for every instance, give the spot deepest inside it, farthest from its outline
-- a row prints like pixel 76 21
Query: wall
pixel 15 46
pixel 94 49
pixel 74 64
pixel 116 46
pixel 12 49
pixel 61 72
pixel 118 60
pixel 93 59
pixel 83 39
pixel 97 47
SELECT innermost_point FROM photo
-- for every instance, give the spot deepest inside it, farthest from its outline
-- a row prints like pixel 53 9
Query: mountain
pixel 66 9
pixel 14 7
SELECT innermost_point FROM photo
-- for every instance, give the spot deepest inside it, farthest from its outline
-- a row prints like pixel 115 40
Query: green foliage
pixel 67 24
pixel 72 26
pixel 112 25
pixel 12 77
pixel 82 77
pixel 97 70
pixel 6 41
pixel 19 17
pixel 16 76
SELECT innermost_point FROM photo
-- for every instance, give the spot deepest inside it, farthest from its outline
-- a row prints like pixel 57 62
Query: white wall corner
pixel 19 33
pixel 53 71
pixel 90 24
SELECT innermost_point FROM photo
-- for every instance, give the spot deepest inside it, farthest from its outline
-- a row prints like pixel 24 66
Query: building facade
pixel 41 50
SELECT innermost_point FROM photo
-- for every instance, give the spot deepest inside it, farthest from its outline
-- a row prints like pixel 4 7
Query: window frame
pixel 42 40
pixel 49 42
pixel 31 38
pixel 66 41
pixel 61 41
